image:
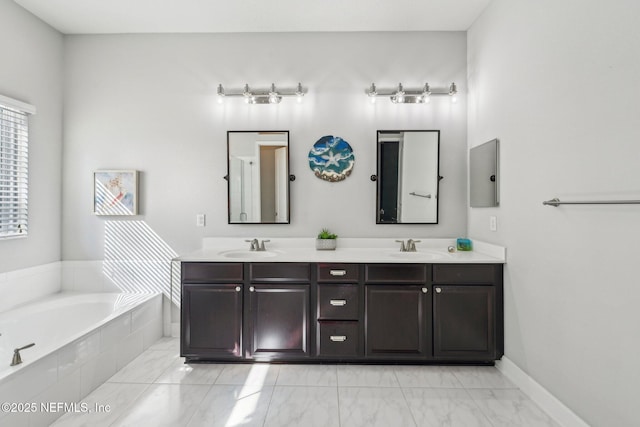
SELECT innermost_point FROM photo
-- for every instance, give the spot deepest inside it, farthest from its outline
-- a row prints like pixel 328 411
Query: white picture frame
pixel 115 192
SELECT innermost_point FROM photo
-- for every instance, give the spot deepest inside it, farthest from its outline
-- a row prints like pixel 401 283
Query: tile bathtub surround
pixel 21 286
pixel 78 368
pixel 158 389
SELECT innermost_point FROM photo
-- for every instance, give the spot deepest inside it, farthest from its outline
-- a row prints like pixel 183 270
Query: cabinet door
pixel 398 321
pixel 211 321
pixel 278 321
pixel 464 322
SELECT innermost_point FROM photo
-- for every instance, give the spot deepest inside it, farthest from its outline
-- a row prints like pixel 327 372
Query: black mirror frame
pixel 290 178
pixel 377 178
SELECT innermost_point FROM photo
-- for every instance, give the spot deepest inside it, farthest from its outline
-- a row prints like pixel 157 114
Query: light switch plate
pixel 493 223
pixel 200 220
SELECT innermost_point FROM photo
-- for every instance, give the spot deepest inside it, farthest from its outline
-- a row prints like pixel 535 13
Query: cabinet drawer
pixel 279 272
pixel 464 273
pixel 338 302
pixel 338 339
pixel 338 273
pixel 206 272
pixel 396 273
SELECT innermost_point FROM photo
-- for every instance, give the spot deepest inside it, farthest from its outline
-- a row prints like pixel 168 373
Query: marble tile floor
pixel 158 389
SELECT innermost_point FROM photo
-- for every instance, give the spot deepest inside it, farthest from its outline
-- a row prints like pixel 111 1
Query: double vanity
pixel 367 301
pixel 364 302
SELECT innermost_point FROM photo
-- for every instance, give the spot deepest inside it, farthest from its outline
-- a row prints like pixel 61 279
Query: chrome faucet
pixel 16 360
pixel 411 245
pixel 257 245
pixel 262 248
pixel 254 244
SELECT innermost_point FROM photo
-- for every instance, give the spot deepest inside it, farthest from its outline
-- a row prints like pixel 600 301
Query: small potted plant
pixel 326 241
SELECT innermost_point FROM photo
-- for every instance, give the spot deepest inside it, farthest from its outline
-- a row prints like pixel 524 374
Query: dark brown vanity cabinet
pixel 398 311
pixel 278 311
pixel 211 317
pixel 338 311
pixel 404 312
pixel 467 312
pixel 278 321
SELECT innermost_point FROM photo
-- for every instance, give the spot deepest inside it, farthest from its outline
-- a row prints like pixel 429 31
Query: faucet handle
pixel 403 248
pixel 262 248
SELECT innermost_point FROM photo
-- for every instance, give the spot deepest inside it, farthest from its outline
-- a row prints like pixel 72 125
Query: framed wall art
pixel 115 192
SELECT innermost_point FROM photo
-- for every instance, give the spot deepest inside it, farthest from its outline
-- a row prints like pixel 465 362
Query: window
pixel 14 167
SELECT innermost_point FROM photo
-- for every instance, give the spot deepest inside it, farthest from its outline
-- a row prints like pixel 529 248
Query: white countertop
pixel 356 250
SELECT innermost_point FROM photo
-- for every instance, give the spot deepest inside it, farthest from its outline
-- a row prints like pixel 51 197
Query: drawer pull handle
pixel 438 290
pixel 425 290
pixel 338 272
pixel 238 288
pixel 252 289
pixel 338 302
pixel 338 338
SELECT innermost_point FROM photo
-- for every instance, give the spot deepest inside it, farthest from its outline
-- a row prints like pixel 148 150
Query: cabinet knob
pixel 438 290
pixel 338 338
pixel 238 288
pixel 252 289
pixel 425 290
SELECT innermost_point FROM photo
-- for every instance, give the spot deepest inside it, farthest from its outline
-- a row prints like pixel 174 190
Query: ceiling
pixel 225 16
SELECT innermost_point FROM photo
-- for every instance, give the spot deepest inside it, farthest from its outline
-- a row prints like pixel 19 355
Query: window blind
pixel 14 170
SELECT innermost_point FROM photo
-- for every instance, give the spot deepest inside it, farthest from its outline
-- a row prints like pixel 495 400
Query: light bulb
pixel 426 94
pixel 453 92
pixel 372 93
pixel 400 94
pixel 299 93
pixel 220 93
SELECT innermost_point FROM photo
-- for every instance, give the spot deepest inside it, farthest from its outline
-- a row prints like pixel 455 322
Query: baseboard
pixel 540 395
pixel 175 329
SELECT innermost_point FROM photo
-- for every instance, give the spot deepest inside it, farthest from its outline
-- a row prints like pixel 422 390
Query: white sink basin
pixel 420 255
pixel 246 254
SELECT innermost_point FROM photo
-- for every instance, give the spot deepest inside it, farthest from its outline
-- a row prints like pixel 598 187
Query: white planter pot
pixel 326 244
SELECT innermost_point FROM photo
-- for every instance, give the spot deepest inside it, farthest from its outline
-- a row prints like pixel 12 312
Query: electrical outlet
pixel 200 220
pixel 493 223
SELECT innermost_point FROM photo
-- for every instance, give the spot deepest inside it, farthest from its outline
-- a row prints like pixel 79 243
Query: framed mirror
pixel 408 176
pixel 483 175
pixel 258 177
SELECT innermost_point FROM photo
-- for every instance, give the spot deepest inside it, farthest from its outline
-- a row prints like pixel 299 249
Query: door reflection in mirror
pixel 408 171
pixel 484 175
pixel 258 177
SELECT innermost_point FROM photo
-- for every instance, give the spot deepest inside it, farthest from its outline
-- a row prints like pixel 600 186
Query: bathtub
pixel 81 339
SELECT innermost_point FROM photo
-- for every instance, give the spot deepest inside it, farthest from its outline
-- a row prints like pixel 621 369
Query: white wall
pixel 557 83
pixel 31 71
pixel 148 102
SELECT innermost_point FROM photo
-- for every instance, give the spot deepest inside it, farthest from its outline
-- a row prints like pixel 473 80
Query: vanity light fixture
pixel 400 95
pixel 261 96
